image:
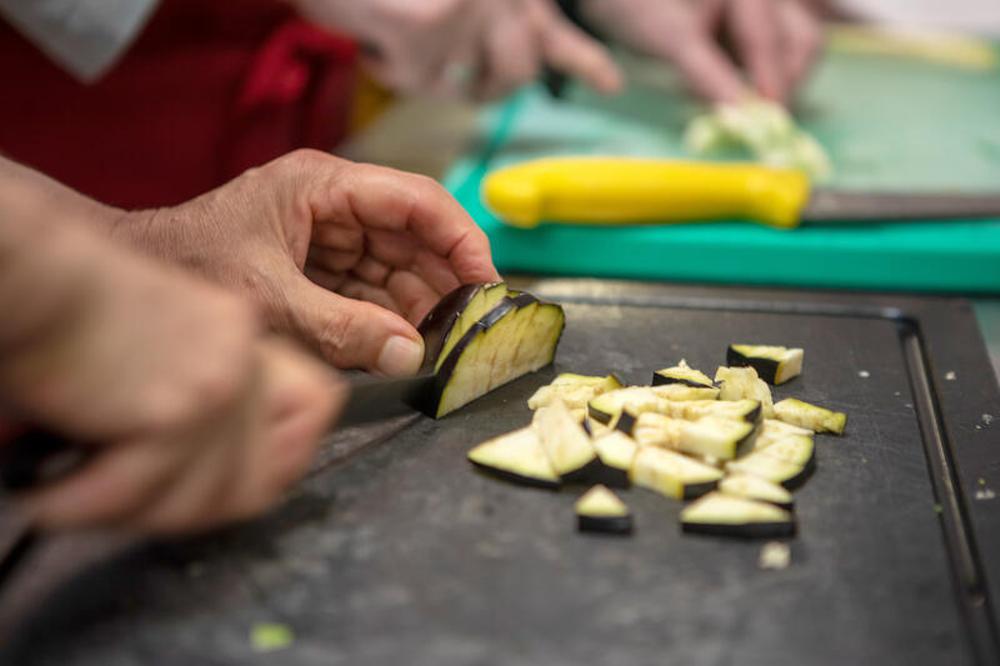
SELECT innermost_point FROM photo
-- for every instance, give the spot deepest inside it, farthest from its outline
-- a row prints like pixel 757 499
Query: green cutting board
pixel 888 122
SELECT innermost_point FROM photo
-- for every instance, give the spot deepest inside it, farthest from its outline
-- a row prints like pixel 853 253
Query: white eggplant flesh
pixel 752 487
pixel 775 365
pixel 725 515
pixel 805 415
pixel 517 456
pixel 566 443
pixel 673 474
pixel 744 384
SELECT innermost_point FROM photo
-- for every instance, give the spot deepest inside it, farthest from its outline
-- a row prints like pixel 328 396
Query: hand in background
pixel 347 257
pixel 483 48
pixel 775 41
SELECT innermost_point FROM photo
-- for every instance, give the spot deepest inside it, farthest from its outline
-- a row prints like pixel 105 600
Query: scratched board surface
pixel 405 555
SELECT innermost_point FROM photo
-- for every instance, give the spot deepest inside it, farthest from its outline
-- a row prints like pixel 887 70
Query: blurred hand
pixel 483 48
pixel 348 257
pixel 776 41
pixel 198 421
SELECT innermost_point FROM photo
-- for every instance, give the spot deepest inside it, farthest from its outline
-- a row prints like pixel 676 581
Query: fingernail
pixel 400 356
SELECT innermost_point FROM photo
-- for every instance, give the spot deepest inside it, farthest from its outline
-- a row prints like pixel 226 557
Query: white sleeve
pixel 82 36
pixel 968 16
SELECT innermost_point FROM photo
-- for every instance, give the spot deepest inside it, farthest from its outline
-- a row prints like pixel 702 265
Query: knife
pixel 36 455
pixel 611 190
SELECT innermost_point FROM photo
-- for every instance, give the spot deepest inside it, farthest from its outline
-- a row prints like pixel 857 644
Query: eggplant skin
pixel 696 490
pixel 767 369
pixel 605 524
pixel 660 380
pixel 600 472
pixel 516 478
pixel 593 472
pixel 747 530
pixel 437 324
pixel 522 350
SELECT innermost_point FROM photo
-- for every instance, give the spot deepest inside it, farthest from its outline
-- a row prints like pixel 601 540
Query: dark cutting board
pixel 400 554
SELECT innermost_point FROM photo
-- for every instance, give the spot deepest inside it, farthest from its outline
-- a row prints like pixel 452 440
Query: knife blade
pixel 37 455
pixel 608 191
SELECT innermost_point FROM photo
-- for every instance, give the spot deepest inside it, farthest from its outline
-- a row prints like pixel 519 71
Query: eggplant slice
pixel 516 337
pixel 454 314
pixel 673 474
pixel 777 470
pixel 752 487
pixel 805 415
pixel 725 515
pixel 775 365
pixel 682 374
pixel 798 449
pixel 748 411
pixel 616 451
pixel 566 443
pixel 744 384
pixel 600 510
pixel 518 457
pixel 574 390
pixel 710 437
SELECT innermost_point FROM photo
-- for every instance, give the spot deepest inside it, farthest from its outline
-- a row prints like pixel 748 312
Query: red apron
pixel 210 88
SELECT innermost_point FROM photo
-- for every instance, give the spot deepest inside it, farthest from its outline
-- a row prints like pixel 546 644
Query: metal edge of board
pixel 932 332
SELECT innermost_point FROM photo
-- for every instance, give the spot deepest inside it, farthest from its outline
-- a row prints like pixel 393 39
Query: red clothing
pixel 210 88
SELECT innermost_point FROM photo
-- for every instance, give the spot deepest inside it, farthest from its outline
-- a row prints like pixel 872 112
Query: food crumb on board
pixel 981 481
pixel 897 393
pixel 195 569
pixel 985 494
pixel 987 418
pixel 950 376
pixel 864 374
pixel 270 636
pixel 938 508
pixel 775 555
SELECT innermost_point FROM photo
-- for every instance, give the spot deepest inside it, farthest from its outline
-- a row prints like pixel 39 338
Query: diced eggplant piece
pixel 574 390
pixel 637 399
pixel 756 488
pixel 566 443
pixel 603 383
pixel 775 365
pixel 774 469
pixel 600 510
pixel 715 437
pixel 684 392
pixel 517 456
pixel 798 449
pixel 616 451
pixel 804 415
pixel 455 314
pixel 672 474
pixel 518 336
pixel 692 410
pixel 744 384
pixel 773 429
pixel 726 515
pixel 682 374
pixel 652 429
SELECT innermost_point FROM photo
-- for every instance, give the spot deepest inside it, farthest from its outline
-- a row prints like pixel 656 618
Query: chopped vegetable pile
pixel 765 130
pixel 723 444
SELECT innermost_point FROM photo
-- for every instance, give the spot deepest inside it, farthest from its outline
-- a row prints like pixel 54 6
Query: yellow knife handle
pixel 607 190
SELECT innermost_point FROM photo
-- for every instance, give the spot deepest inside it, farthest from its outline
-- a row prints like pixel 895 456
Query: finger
pixel 360 291
pixel 381 198
pixel 345 237
pixel 802 39
pixel 511 55
pixel 708 72
pixel 302 399
pixel 413 295
pixel 754 26
pixel 568 49
pixel 335 261
pixel 355 334
pixel 372 271
pixel 436 272
pixel 117 483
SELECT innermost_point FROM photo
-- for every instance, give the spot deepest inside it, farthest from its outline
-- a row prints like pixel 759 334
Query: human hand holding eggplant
pixel 346 257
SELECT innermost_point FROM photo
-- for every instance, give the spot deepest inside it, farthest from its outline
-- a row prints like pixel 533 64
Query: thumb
pixel 355 334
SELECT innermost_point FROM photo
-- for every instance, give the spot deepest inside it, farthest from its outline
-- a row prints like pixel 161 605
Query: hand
pixel 197 421
pixel 775 40
pixel 346 256
pixel 484 48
